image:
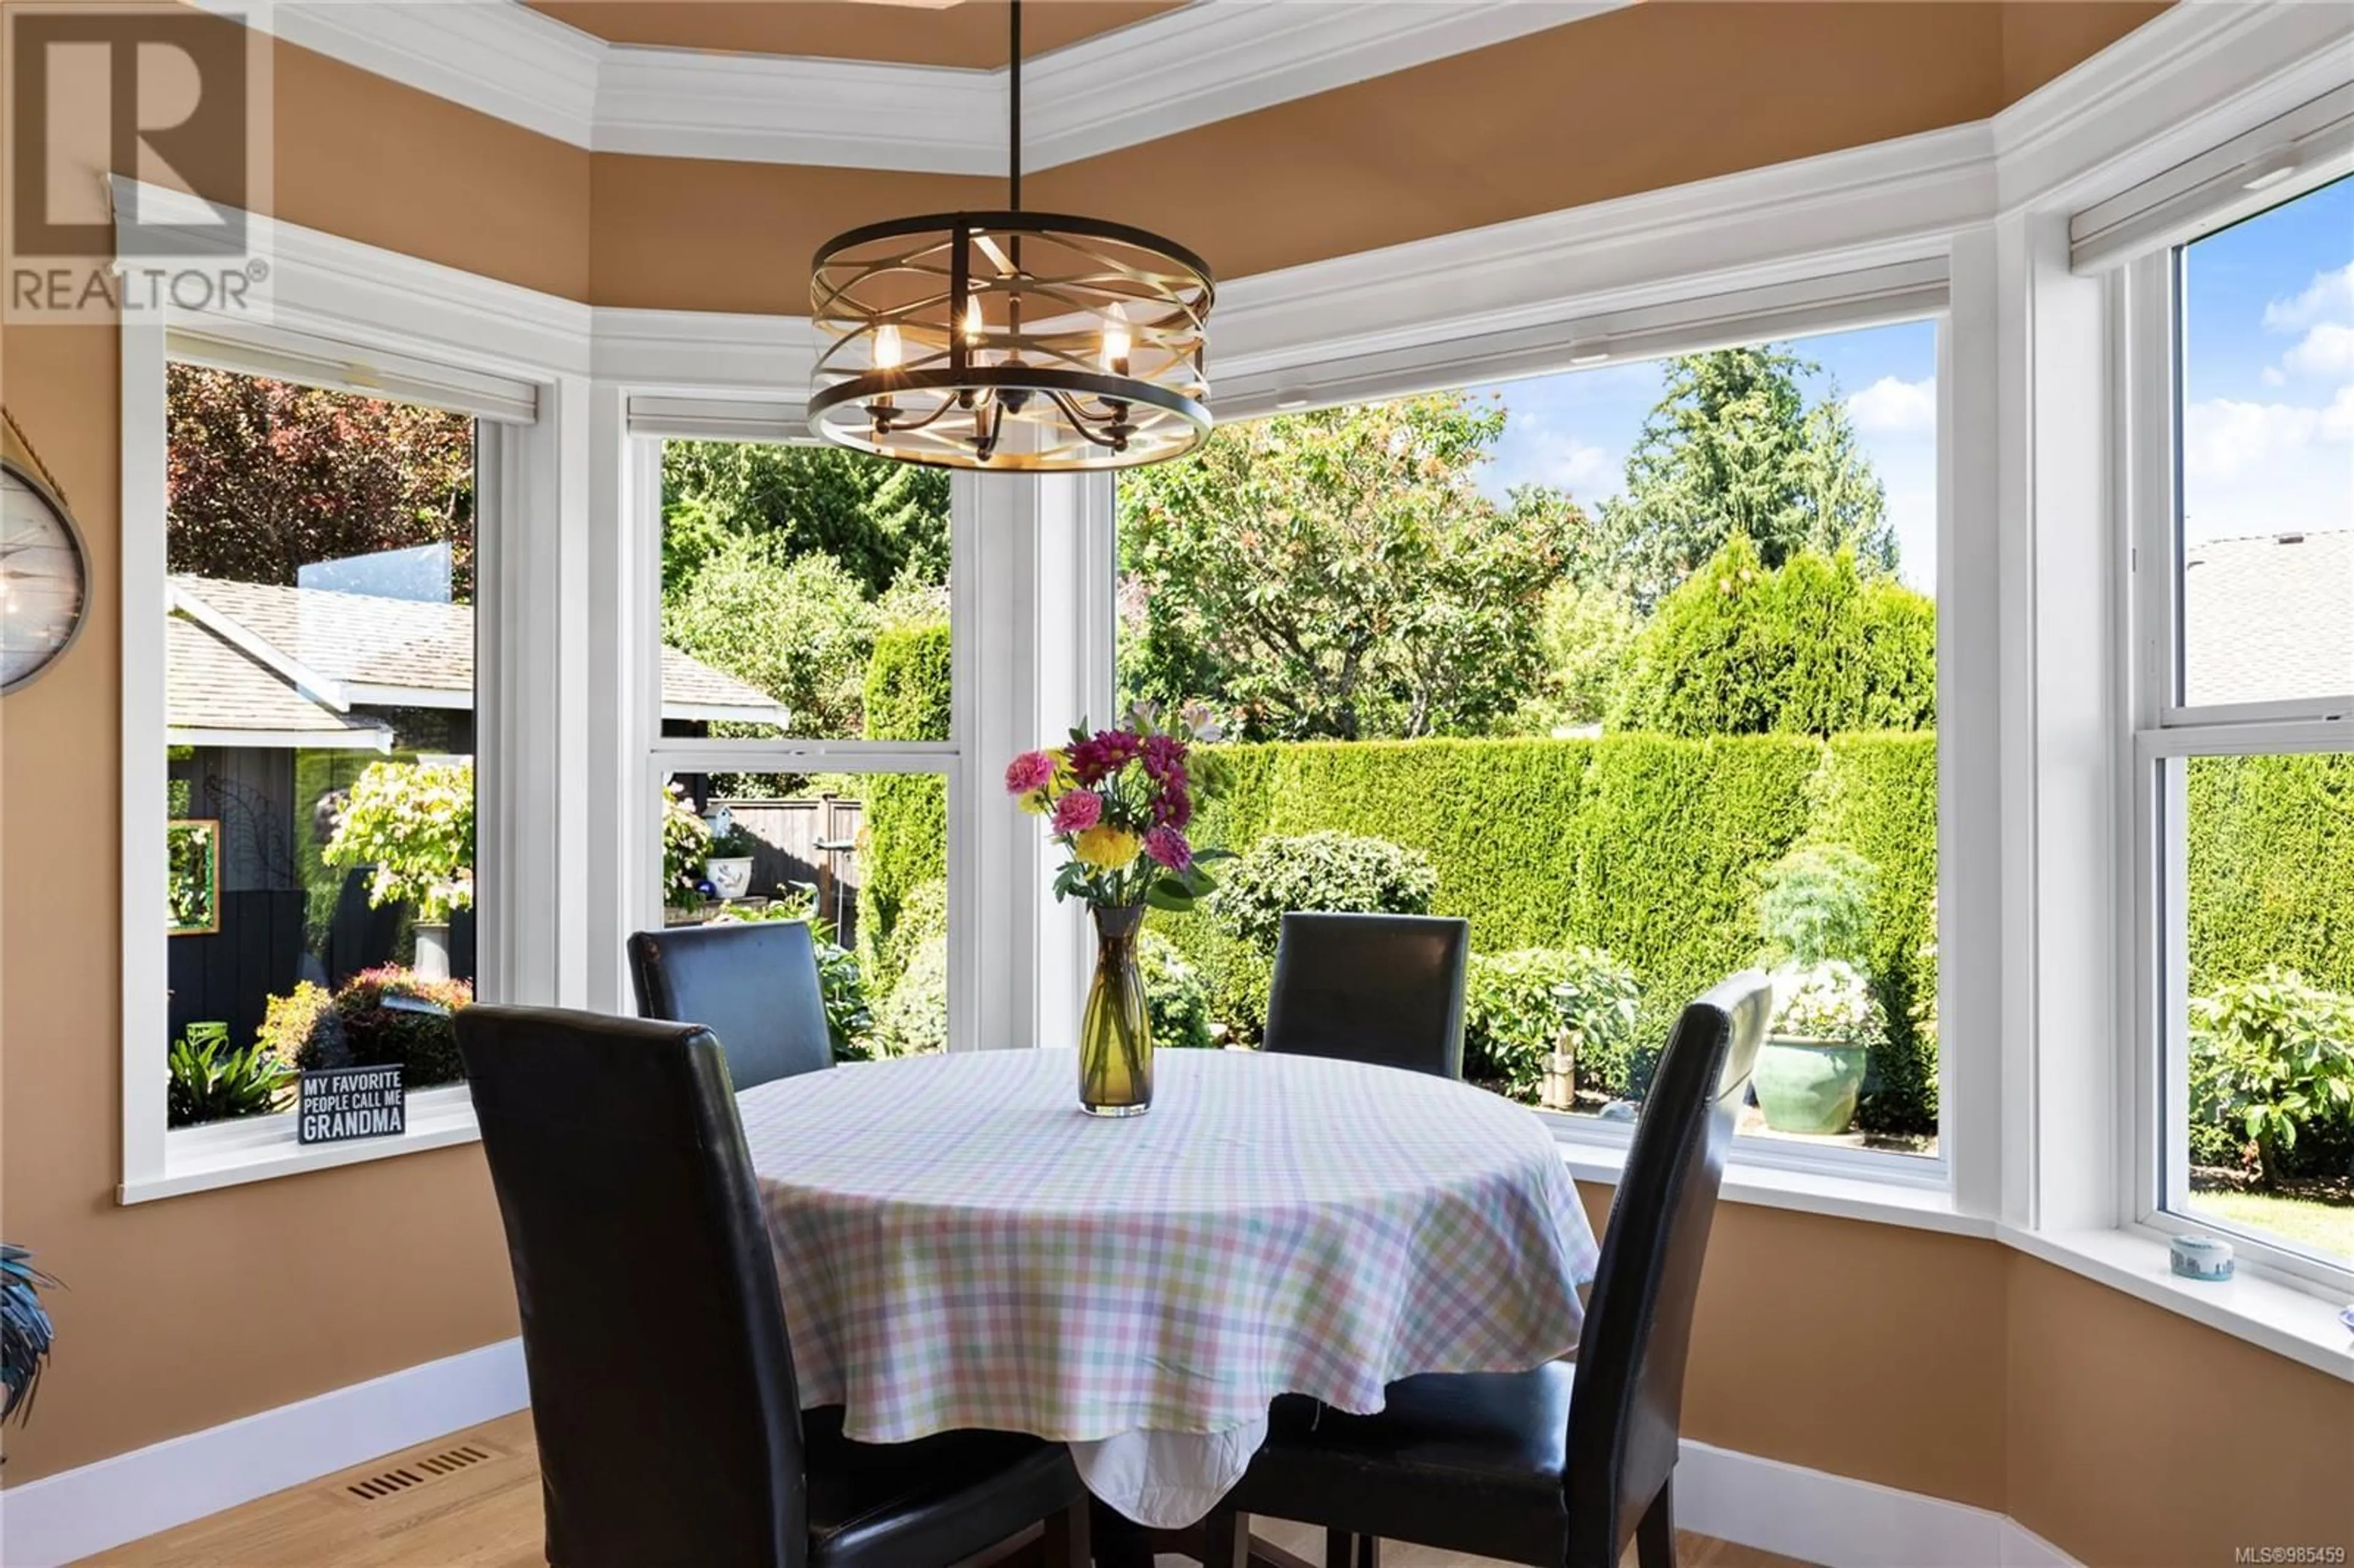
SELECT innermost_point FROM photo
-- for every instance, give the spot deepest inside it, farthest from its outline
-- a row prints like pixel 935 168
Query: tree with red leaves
pixel 268 477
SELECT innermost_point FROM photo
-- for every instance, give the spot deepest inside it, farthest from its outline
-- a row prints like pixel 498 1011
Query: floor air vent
pixel 417 1472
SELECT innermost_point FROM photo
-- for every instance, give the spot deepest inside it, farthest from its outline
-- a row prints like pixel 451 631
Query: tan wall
pixel 1928 1362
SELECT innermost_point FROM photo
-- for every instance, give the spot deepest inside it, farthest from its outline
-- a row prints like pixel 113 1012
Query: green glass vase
pixel 1116 1030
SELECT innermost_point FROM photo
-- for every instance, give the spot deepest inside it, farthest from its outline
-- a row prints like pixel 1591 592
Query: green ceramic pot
pixel 1809 1086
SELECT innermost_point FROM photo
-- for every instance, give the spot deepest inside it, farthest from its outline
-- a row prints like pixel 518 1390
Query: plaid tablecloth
pixel 960 1247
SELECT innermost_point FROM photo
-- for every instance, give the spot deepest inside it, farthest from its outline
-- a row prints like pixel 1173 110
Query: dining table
pixel 959 1246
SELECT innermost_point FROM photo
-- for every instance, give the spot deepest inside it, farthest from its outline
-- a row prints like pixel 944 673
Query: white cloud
pixel 2327 349
pixel 1893 407
pixel 2271 376
pixel 2223 437
pixel 2330 294
pixel 1574 466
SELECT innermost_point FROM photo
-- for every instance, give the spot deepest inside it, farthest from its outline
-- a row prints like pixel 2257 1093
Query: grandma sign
pixel 339 1103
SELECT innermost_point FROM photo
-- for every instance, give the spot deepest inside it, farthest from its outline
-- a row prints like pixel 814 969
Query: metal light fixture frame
pixel 1010 340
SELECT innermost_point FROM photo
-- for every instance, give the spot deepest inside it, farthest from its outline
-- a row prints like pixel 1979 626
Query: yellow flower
pixel 1061 756
pixel 1035 802
pixel 1107 848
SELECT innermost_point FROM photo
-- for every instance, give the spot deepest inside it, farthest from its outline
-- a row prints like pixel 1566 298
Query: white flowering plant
pixel 1829 1001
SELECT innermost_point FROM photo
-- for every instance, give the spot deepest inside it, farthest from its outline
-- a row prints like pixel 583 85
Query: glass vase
pixel 1116 1030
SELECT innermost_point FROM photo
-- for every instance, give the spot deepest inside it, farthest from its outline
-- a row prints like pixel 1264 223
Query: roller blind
pixel 2308 146
pixel 717 418
pixel 342 367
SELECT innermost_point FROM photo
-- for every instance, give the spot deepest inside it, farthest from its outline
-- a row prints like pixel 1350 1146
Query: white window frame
pixel 2158 733
pixel 381 307
pixel 1825 291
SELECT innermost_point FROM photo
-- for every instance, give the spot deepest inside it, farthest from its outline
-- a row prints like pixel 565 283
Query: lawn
pixel 2322 1227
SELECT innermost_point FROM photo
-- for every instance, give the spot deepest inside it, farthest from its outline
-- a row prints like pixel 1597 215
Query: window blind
pixel 286 355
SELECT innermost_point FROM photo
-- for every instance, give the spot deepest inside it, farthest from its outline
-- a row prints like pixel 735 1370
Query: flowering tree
pixel 267 477
pixel 414 822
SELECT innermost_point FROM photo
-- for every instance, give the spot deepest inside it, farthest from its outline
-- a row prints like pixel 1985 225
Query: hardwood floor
pixel 472 1501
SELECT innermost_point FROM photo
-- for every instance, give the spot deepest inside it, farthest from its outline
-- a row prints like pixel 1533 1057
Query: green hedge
pixel 2270 868
pixel 905 814
pixel 1647 847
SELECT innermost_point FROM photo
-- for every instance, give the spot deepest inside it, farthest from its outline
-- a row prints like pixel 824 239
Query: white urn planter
pixel 730 875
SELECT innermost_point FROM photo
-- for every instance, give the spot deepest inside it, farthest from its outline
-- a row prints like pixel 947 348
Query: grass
pixel 2322 1227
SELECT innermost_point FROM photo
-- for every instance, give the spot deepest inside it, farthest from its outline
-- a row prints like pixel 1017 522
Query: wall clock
pixel 44 578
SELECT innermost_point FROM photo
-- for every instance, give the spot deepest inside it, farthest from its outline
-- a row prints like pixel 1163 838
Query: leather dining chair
pixel 662 1396
pixel 1509 1466
pixel 1386 989
pixel 753 983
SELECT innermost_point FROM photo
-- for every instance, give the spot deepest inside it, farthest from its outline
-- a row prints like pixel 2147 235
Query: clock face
pixel 42 586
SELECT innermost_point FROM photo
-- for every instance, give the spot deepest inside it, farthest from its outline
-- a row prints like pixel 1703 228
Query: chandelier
pixel 1010 340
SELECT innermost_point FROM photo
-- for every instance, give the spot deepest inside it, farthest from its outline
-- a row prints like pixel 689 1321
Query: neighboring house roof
pixel 216 695
pixel 2269 617
pixel 337 651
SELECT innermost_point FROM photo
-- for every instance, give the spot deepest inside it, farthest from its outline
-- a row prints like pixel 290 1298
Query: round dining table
pixel 959 1246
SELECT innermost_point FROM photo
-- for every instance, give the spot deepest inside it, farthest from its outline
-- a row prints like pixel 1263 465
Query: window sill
pixel 2296 1321
pixel 230 1154
pixel 1919 1207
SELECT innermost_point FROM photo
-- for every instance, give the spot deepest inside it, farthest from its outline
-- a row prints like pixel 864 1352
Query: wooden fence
pixel 808 842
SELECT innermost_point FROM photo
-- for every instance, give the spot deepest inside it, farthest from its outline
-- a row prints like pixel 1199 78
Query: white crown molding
pixel 1204 62
pixel 704 353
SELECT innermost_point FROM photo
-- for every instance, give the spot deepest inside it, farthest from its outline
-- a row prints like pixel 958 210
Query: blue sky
pixel 2268 372
pixel 1575 429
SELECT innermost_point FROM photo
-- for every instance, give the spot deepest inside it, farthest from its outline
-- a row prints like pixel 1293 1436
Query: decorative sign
pixel 341 1103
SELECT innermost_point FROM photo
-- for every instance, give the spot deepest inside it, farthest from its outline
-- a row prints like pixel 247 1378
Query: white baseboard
pixel 1840 1522
pixel 71 1514
pixel 1811 1515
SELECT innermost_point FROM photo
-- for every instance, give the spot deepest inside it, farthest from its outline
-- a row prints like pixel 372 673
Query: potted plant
pixel 26 1333
pixel 414 822
pixel 1816 915
pixel 1812 1067
pixel 729 865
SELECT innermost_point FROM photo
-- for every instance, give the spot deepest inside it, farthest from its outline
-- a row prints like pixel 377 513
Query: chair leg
pixel 1655 1536
pixel 1225 1539
pixel 1067 1543
pixel 1369 1552
pixel 1340 1549
pixel 1120 1541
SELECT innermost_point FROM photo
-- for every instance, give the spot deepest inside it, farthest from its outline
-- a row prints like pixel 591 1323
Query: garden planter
pixel 730 875
pixel 1809 1086
pixel 433 951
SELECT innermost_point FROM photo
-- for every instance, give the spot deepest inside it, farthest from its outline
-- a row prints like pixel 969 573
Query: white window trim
pixel 2156 731
pixel 377 305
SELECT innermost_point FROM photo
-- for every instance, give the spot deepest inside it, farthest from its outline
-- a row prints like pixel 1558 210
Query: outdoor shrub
pixel 301 1029
pixel 2270 867
pixel 1175 994
pixel 2273 1057
pixel 905 814
pixel 376 1034
pixel 1346 872
pixel 687 844
pixel 1599 1003
pixel 209 1081
pixel 414 823
pixel 1516 1005
pixel 913 1020
pixel 798 628
pixel 1813 647
pixel 1817 905
pixel 1829 1001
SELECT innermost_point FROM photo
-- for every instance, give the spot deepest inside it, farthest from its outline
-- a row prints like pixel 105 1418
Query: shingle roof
pixel 2269 617
pixel 210 686
pixel 418 645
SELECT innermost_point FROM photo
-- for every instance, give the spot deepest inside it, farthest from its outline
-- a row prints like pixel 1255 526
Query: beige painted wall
pixel 1931 1363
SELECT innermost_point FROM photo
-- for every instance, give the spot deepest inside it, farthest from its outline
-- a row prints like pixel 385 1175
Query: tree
pixel 1338 575
pixel 1732 447
pixel 800 630
pixel 267 477
pixel 1813 647
pixel 882 521
pixel 1587 634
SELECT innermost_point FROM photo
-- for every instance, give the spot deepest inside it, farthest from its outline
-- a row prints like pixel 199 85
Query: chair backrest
pixel 1371 988
pixel 1625 1421
pixel 662 1379
pixel 754 983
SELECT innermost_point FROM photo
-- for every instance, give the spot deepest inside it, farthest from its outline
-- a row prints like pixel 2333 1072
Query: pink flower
pixel 1168 846
pixel 1173 806
pixel 1096 760
pixel 1032 771
pixel 1163 754
pixel 1077 811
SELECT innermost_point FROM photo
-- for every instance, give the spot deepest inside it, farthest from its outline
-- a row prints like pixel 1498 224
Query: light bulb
pixel 973 326
pixel 1115 347
pixel 887 346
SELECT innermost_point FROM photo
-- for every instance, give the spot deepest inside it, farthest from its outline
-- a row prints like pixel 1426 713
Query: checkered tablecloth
pixel 960 1247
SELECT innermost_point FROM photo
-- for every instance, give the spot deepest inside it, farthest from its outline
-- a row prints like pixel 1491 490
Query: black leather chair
pixel 753 983
pixel 662 1396
pixel 1371 988
pixel 1509 1466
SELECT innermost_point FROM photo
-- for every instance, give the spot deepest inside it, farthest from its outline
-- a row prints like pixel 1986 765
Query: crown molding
pixel 1203 62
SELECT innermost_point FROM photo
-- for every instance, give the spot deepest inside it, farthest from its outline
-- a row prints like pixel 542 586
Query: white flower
pixel 1829 1000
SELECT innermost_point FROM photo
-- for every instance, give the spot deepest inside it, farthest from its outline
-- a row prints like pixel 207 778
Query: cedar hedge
pixel 906 814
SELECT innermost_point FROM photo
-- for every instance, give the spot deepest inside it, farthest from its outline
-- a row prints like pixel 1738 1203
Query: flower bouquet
pixel 1119 802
